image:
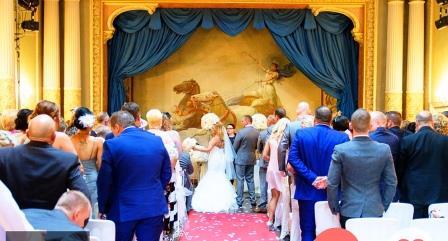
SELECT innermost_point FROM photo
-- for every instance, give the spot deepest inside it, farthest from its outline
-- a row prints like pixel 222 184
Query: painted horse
pixel 185 114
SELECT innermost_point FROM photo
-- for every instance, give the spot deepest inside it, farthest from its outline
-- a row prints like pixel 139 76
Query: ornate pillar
pixel 7 68
pixel 416 41
pixel 394 56
pixel 51 65
pixel 72 56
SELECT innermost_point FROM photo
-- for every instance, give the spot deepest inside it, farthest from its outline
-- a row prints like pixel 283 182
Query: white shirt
pixel 11 217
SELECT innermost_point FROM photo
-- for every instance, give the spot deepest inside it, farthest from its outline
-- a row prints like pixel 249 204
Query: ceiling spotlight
pixel 32 4
pixel 442 22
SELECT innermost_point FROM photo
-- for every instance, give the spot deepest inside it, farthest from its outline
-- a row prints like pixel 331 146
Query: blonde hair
pixel 154 118
pixel 7 120
pixel 279 128
pixel 217 130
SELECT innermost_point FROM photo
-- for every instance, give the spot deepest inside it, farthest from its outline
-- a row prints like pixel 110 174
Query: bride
pixel 215 193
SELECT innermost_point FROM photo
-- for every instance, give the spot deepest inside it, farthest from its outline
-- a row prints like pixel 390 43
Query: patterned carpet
pixel 241 226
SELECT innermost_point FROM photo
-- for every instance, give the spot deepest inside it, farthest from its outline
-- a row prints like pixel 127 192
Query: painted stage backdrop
pixel 230 76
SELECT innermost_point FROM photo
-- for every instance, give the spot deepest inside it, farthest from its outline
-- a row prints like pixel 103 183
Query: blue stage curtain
pixel 320 46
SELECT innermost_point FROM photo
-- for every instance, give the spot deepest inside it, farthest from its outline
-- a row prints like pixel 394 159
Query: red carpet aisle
pixel 227 227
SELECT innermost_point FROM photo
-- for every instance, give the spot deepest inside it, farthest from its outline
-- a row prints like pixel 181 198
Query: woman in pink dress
pixel 274 177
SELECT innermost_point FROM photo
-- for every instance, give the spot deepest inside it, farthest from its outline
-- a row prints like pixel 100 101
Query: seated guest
pixel 66 221
pixel 21 125
pixel 36 173
pixel 11 217
pixel 62 141
pixel 6 139
pixel 424 156
pixel 394 122
pixel 357 168
pixel 7 126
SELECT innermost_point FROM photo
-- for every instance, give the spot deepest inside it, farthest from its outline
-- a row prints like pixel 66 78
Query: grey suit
pixel 358 167
pixel 264 135
pixel 288 136
pixel 245 145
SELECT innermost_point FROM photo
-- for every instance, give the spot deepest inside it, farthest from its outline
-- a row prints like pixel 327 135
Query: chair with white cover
pixel 372 229
pixel 404 212
pixel 103 229
pixel 410 234
pixel 440 208
pixel 436 227
pixel 324 218
pixel 94 238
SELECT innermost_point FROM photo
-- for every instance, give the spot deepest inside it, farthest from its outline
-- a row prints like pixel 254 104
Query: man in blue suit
pixel 310 157
pixel 132 179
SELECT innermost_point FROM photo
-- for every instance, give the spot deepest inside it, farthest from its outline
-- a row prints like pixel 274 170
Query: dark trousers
pixel 263 188
pixel 343 220
pixel 245 173
pixel 307 220
pixel 148 229
pixel 420 211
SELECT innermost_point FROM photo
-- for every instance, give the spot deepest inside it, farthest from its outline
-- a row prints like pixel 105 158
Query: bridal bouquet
pixel 189 143
pixel 259 121
pixel 208 120
pixel 198 156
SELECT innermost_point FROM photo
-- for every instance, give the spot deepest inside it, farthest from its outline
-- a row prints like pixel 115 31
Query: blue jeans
pixel 245 172
pixel 263 187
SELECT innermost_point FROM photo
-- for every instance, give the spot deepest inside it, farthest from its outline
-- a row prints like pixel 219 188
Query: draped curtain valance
pixel 320 46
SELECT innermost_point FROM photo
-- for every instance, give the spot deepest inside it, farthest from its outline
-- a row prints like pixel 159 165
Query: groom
pixel 245 145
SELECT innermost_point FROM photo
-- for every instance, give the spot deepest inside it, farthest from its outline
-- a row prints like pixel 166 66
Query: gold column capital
pixel 72 99
pixel 414 104
pixel 53 95
pixel 394 101
pixel 9 94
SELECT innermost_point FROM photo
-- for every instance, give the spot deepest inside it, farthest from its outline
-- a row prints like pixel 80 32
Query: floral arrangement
pixel 259 121
pixel 209 120
pixel 188 144
pixel 440 123
pixel 87 120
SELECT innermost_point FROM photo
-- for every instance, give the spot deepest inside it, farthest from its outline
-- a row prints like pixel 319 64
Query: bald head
pixel 378 119
pixel 303 108
pixel 424 118
pixel 42 128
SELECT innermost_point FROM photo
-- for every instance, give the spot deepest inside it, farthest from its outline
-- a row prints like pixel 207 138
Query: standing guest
pixel 101 127
pixel 342 123
pixel 440 124
pixel 62 140
pixel 134 109
pixel 89 149
pixel 411 127
pixel 445 113
pixel 245 145
pixel 380 134
pixel 230 128
pixel 66 221
pixel 309 157
pixel 171 221
pixel 21 125
pixel 7 127
pixel 424 156
pixel 131 188
pixel 303 120
pixel 357 169
pixel 262 139
pixel 187 170
pixel 36 173
pixel 167 126
pixel 394 122
pixel 6 139
pixel 274 177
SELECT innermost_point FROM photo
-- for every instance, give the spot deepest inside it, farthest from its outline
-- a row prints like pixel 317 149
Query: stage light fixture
pixel 442 22
pixel 31 4
pixel 30 25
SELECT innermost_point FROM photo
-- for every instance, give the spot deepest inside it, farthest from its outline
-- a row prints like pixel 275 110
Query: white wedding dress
pixel 215 193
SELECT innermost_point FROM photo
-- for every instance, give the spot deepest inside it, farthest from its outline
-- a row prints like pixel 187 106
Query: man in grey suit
pixel 303 120
pixel 245 145
pixel 357 168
